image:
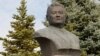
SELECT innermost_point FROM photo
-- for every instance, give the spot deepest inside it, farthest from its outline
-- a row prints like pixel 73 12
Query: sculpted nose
pixel 57 15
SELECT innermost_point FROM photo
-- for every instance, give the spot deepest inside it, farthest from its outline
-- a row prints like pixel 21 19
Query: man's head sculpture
pixel 56 14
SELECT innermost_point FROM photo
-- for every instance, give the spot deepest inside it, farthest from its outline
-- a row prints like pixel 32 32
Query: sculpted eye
pixel 61 12
pixel 53 12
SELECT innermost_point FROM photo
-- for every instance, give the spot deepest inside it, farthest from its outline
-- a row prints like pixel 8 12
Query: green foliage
pixel 20 41
pixel 46 23
pixel 83 19
pixel 83 52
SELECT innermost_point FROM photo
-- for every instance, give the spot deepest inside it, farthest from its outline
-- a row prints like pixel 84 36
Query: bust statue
pixel 54 40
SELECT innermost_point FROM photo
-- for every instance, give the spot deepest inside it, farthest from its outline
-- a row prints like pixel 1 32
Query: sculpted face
pixel 56 15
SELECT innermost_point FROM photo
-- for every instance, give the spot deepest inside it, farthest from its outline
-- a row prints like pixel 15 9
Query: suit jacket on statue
pixel 53 39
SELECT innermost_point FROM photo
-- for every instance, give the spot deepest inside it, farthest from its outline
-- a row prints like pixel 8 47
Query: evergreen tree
pixel 82 18
pixel 20 41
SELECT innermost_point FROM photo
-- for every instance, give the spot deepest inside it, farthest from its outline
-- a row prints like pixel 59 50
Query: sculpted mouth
pixel 58 18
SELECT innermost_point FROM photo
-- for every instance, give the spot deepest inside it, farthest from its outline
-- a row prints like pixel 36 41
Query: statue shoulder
pixel 71 34
pixel 42 32
pixel 75 40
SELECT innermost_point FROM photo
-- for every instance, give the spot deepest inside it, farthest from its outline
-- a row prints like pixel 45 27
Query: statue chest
pixel 63 39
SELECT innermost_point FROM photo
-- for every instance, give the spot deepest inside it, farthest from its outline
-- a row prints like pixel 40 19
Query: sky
pixel 8 8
